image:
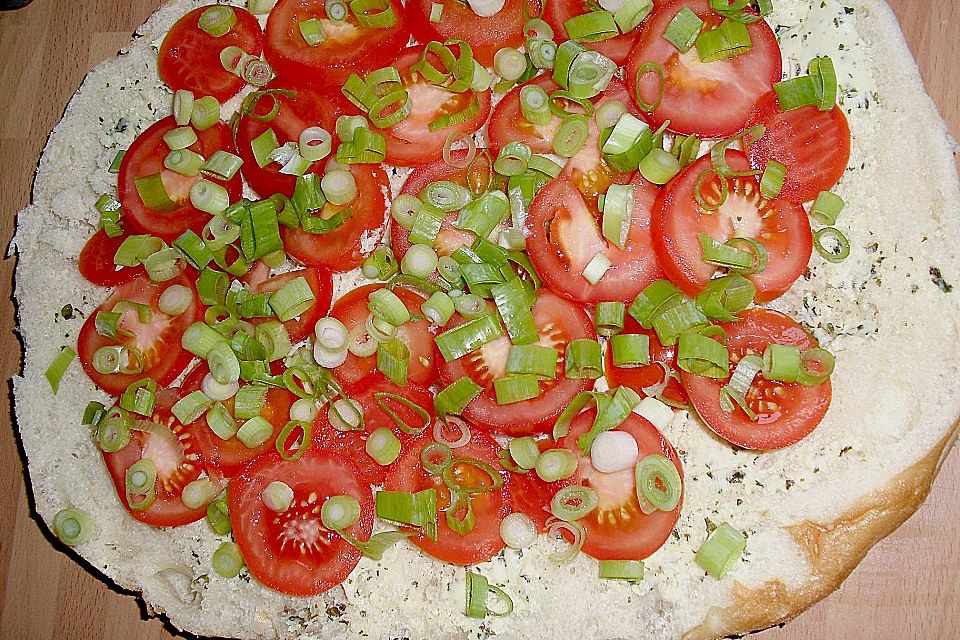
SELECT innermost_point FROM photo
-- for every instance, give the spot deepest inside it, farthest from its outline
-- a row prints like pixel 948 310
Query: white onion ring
pixel 471 151
pixel 460 424
pixel 555 526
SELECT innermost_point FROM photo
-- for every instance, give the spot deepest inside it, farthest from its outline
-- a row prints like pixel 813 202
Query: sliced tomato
pixel 157 341
pixel 348 47
pixel 814 145
pixel 292 552
pixel 564 235
pixel 343 248
pixel 786 412
pixel 559 322
pixel 410 142
pixel 618 529
pixel 174 454
pixel 145 158
pixel 227 458
pixel 779 225
pixel 531 495
pixel 449 238
pixel 712 100
pixel 557 12
pixel 652 374
pixel 459 22
pixel 321 284
pixel 370 393
pixel 310 107
pixel 96 261
pixel 352 310
pixel 190 57
pixel 489 508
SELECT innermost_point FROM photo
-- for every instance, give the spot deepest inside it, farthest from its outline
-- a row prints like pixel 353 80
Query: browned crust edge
pixel 833 549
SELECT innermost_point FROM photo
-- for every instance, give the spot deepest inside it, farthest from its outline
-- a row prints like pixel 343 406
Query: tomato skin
pixel 340 250
pixel 609 537
pixel 531 495
pixel 780 225
pixel 321 284
pixel 352 310
pixel 410 143
pixel 458 22
pixel 559 322
pixel 352 444
pixel 712 100
pixel 190 57
pixel 560 218
pixel 490 508
pixel 96 261
pixel 310 108
pixel 800 409
pixel 167 509
pixel 557 12
pixel 348 47
pixel 651 374
pixel 145 157
pixel 297 569
pixel 813 144
pixel 158 340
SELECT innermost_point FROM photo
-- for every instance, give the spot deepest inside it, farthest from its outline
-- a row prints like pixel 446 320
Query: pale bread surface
pixel 896 398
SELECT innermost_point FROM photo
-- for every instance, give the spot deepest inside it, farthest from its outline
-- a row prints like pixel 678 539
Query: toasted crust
pixel 833 549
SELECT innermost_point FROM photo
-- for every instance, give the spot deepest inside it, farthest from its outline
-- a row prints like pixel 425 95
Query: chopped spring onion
pixel 304 410
pixel 191 407
pixel 657 70
pixel 514 308
pixel 417 509
pixel 460 503
pixel 255 432
pixel 249 400
pixel 824 75
pixel 574 502
pixel 381 264
pixel 470 305
pixel 509 64
pixel 725 297
pixel 374 14
pixel 583 359
pixel 180 138
pixel 331 333
pixel 592 26
pixel 826 208
pixel 182 106
pixel 631 13
pixel 513 157
pixel 385 305
pixel 630 350
pixel 658 483
pixel 656 412
pixel 393 360
pixel 611 412
pixel 535 105
pixel 618 213
pixel 614 451
pixel 438 308
pixel 162 265
pixel 445 195
pixel 468 337
pixel 629 141
pixel 533 359
pixel 483 214
pixel 554 527
pixel 117 161
pixel 404 210
pixel 221 422
pixel 518 531
pixel 140 397
pixel 556 464
pixel 205 114
pixel 345 415
pixel 836 248
pixel 736 389
pixel 772 180
pixel 452 479
pixel 426 225
pixel 571 136
pixel 336 10
pixel 524 451
pixel 293 299
pixel 209 197
pixel 686 149
pixel 54 373
pixel 728 40
pixel 339 187
pixel 312 31
pixel 659 166
pixel 223 164
pixel 227 560
pixel 264 146
pixel 110 210
pixel 721 550
pixel 455 397
pixel 315 143
pixel 113 430
pixel 195 252
pixel 278 496
pixel 383 446
pixel 444 422
pixel 294 433
pixel 703 356
pixel 516 388
pixel 683 30
pixel 73 526
pixel 435 457
pixel 419 261
pixel 781 362
pixel 198 493
pixel 677 320
pixel 153 193
pixel 478 589
pixel 218 516
pixel 436 11
pixel 260 7
pixel 218 20
pixel 542 52
pixel 729 255
pixel 630 570
pixel 596 268
pixel 340 512
pixel 140 484
pixel 796 93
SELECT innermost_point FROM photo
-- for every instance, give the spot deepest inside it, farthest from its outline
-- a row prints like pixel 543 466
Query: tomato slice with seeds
pixel 558 322
pixel 366 392
pixel 292 552
pixel 787 412
pixel 310 108
pixel 345 247
pixel 531 495
pixel 190 57
pixel 321 284
pixel 489 508
pixel 557 12
pixel 410 142
pixel 449 238
pixel 352 310
pixel 814 145
pixel 96 261
pixel 618 529
pixel 145 157
pixel 227 458
pixel 779 225
pixel 157 341
pixel 172 450
pixel 348 47
pixel 565 234
pixel 652 374
pixel 712 100
pixel 459 22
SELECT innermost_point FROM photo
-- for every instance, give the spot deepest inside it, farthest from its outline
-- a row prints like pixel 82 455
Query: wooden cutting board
pixel 908 588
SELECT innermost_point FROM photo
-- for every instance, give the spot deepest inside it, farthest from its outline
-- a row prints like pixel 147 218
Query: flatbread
pixel 811 511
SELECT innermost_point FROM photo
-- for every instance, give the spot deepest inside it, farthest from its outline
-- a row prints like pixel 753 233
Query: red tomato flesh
pixel 459 22
pixel 96 261
pixel 652 374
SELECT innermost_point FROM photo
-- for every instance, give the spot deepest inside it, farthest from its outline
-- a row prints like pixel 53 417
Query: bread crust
pixel 833 549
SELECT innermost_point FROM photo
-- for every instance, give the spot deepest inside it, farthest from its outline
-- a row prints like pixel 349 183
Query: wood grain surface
pixel 908 588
